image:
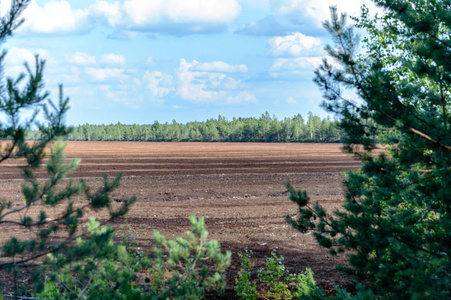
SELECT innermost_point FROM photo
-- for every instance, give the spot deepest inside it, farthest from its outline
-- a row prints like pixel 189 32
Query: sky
pixel 140 61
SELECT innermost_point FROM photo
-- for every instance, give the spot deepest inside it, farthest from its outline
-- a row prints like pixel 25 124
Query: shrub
pixel 276 279
pixel 193 264
pixel 184 268
pixel 243 286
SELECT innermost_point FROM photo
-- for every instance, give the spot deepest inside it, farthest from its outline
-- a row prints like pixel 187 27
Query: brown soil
pixel 237 187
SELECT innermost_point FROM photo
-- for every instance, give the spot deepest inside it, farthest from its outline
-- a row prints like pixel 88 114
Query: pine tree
pixel 396 221
pixel 48 207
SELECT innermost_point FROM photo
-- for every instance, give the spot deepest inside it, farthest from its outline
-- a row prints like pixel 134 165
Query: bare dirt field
pixel 237 187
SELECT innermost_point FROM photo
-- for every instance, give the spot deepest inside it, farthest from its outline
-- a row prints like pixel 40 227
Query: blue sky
pixel 137 61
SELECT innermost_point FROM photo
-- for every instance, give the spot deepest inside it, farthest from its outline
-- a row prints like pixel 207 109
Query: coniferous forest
pixel 263 129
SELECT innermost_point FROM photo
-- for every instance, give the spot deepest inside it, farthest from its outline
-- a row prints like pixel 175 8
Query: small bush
pixel 184 268
pixel 129 240
pixel 244 288
pixel 192 264
pixel 276 279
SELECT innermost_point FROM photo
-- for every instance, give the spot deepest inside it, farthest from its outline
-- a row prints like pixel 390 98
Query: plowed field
pixel 237 187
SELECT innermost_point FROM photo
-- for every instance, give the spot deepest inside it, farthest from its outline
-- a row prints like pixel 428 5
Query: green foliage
pixel 243 286
pixel 48 219
pixel 103 273
pixel 192 265
pixel 50 291
pixel 396 222
pixel 277 279
pixel 129 240
pixel 184 268
pixel 45 196
pixel 306 286
pixel 263 129
pixel 275 276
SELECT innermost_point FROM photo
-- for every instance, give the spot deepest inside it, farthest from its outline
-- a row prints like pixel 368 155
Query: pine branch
pixel 428 138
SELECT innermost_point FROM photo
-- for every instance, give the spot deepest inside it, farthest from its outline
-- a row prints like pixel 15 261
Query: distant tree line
pixel 263 129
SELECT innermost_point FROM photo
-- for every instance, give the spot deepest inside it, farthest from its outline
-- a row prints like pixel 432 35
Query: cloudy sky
pixel 137 61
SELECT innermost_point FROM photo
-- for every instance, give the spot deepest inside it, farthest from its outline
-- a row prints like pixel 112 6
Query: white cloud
pixel 17 56
pixel 208 87
pixel 299 63
pixel 113 59
pixel 181 11
pixel 316 12
pixel 218 66
pixel 81 59
pixel 296 44
pixel 55 72
pixel 85 59
pixel 104 74
pixel 111 13
pixel 176 17
pixel 55 17
pixel 227 83
pixel 191 85
pixel 294 68
pixel 160 84
pixel 297 55
pixel 241 97
pixel 304 16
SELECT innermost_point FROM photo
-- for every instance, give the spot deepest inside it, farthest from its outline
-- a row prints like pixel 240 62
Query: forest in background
pixel 263 129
